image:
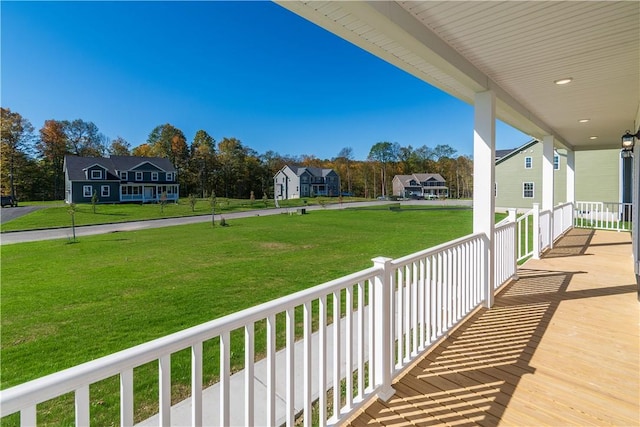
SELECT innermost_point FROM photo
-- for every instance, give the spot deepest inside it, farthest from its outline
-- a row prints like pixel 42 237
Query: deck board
pixel 560 347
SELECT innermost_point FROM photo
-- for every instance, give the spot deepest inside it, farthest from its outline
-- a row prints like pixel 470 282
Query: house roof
pixel 319 172
pixel 501 153
pixel 420 177
pixel 124 163
pixel 516 49
pixel 76 165
pixel 513 151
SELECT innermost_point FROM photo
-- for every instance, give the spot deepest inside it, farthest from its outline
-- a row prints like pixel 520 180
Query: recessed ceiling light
pixel 583 120
pixel 563 81
pixel 593 137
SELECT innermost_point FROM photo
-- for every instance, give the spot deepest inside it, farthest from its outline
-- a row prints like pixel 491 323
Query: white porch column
pixel 547 172
pixel 635 208
pixel 484 203
pixel 547 181
pixel 571 176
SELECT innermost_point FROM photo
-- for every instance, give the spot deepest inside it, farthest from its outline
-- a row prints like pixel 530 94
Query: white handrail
pixel 603 215
pixel 410 303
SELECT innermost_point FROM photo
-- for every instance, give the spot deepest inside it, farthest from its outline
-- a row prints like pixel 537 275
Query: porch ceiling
pixel 517 49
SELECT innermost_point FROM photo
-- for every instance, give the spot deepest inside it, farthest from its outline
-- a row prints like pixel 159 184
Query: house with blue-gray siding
pixel 119 179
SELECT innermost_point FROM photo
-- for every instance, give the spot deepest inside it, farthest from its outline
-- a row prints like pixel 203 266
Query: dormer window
pixel 123 175
pixel 96 174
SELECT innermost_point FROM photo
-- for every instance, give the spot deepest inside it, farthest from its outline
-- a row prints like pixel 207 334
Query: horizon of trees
pixel 31 165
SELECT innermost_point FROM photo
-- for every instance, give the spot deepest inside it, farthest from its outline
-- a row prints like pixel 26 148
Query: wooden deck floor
pixel 560 347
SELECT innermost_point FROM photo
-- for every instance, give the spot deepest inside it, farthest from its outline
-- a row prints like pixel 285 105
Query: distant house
pixel 293 182
pixel 421 185
pixel 119 179
pixel 598 176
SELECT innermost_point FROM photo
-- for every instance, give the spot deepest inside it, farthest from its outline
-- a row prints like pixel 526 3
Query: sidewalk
pixel 181 412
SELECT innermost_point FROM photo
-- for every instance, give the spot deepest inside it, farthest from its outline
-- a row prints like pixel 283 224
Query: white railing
pixel 25 397
pixel 434 290
pixel 603 215
pixel 562 219
pixel 393 311
pixel 525 227
pixel 505 243
pixel 544 230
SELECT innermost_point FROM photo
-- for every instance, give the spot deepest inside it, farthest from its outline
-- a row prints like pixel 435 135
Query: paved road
pixel 66 233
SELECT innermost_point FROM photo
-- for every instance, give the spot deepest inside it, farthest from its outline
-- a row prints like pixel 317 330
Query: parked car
pixel 430 196
pixel 9 201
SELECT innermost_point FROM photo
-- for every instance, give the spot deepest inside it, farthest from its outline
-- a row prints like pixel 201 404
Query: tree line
pixel 31 164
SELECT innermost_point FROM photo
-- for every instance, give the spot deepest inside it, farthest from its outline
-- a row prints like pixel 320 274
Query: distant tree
pixel 163 201
pixel 72 213
pixel 346 155
pixel 424 159
pixel 52 148
pixel 142 150
pixel 212 203
pixel 94 201
pixel 232 156
pixel 383 153
pixel 203 162
pixel 192 202
pixel 84 139
pixel 309 160
pixel 168 141
pixel 119 147
pixel 16 137
pixel 444 151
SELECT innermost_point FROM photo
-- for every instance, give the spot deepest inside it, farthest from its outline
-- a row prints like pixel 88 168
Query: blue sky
pixel 249 70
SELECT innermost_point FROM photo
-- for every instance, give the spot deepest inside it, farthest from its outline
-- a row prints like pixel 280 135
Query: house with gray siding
pixel 293 182
pixel 598 176
pixel 421 185
pixel 119 179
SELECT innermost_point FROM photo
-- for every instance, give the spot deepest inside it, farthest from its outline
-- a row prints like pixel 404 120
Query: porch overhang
pixel 514 49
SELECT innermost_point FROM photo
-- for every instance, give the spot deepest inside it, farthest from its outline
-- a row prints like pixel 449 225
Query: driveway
pixel 7 214
pixel 66 233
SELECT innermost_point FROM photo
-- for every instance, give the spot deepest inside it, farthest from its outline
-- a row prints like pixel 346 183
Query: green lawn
pixel 63 304
pixel 56 214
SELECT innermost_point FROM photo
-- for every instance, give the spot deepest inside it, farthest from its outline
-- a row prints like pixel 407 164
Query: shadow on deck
pixel 559 347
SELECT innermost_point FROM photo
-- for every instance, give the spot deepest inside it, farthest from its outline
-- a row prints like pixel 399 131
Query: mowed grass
pixel 63 304
pixel 56 214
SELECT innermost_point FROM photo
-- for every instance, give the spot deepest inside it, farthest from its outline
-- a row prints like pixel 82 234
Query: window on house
pixel 154 176
pixel 556 162
pixel 169 176
pixel 138 176
pixel 495 189
pixel 527 190
pixel 123 176
pixel 96 174
pixel 528 162
pixel 105 191
pixel 87 190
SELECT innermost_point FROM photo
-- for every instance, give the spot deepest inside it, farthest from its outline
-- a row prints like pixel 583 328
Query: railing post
pixel 536 231
pixel 383 337
pixel 513 218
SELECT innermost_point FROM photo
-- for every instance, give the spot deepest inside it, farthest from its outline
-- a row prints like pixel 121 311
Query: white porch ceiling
pixel 515 48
